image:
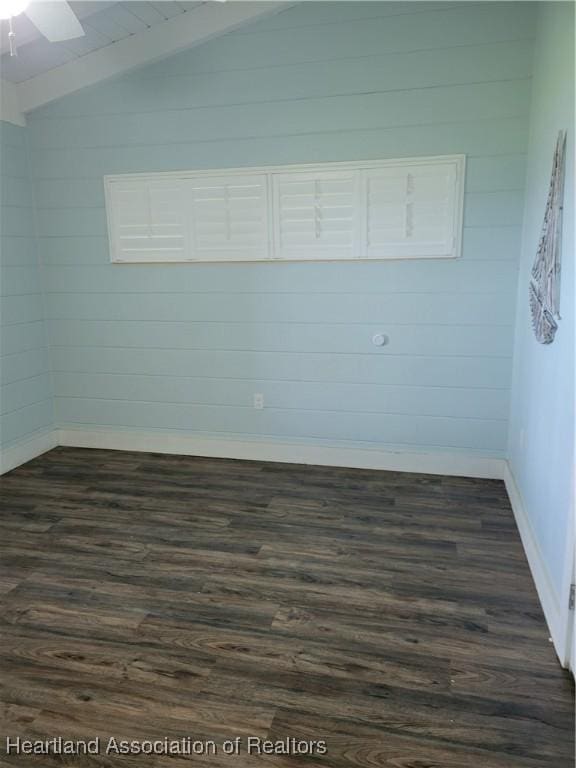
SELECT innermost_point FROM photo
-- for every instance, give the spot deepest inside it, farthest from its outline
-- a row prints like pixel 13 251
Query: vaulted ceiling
pixel 104 23
pixel 120 36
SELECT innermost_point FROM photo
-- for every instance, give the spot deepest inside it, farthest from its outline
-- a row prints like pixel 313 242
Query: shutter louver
pixel 316 215
pixel 147 222
pixel 229 218
pixel 410 211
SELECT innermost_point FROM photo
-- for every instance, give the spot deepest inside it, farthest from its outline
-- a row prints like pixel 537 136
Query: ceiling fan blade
pixel 55 19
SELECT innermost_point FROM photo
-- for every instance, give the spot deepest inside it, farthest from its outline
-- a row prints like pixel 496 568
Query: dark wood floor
pixel 392 615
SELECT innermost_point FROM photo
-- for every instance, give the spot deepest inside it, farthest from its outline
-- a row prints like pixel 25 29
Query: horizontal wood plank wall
pixel 184 347
pixel 26 406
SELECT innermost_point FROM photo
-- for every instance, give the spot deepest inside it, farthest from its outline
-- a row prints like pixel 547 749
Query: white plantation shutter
pixel 147 220
pixel 228 217
pixel 379 209
pixel 316 215
pixel 410 211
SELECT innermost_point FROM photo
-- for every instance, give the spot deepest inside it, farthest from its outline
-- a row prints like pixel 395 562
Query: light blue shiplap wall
pixel 184 347
pixel 26 406
pixel 542 414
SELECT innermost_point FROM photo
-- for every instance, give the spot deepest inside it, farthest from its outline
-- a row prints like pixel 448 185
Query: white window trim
pixel 459 160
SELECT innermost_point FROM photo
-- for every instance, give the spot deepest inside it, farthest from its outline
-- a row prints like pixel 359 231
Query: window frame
pixel 272 213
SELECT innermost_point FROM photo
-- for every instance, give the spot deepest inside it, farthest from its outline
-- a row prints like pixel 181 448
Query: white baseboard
pixel 549 599
pixel 28 449
pixel 335 455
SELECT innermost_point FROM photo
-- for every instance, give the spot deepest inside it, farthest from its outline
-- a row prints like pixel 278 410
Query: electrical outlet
pixel 258 401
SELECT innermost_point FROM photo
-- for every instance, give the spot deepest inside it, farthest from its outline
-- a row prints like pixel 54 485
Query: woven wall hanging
pixel 545 279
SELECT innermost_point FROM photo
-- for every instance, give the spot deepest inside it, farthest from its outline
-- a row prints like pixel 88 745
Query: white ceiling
pixel 121 36
pixel 104 23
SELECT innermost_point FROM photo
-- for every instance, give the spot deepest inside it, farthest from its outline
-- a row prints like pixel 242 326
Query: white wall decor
pixel 545 280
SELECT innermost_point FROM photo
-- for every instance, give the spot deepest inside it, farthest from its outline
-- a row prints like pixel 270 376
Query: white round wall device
pixel 379 339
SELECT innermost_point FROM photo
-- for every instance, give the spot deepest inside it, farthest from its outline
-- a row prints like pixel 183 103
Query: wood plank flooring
pixel 391 615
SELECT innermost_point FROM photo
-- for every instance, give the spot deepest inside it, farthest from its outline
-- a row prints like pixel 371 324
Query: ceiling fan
pixel 53 18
